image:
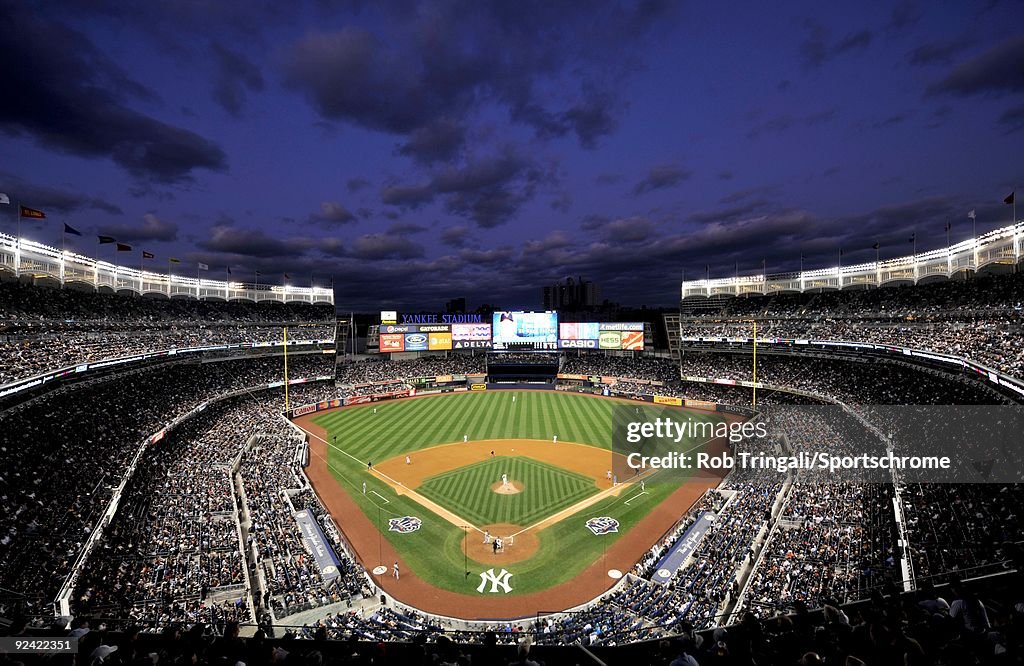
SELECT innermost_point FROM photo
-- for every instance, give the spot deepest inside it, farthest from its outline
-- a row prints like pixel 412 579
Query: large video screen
pixel 539 329
pixel 601 335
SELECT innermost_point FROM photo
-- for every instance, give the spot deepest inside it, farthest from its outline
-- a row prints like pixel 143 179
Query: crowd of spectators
pixel 43 329
pixel 375 371
pixel 945 626
pixel 292 581
pixel 645 368
pixel 63 454
pixel 982 319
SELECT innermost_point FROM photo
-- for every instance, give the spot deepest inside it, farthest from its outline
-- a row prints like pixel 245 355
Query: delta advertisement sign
pixel 628 336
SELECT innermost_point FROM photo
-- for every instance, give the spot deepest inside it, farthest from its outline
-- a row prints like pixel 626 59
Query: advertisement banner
pixel 439 341
pixel 577 344
pixel 668 400
pixel 699 404
pixel 478 387
pixel 316 544
pixel 471 344
pixel 444 379
pixel 579 331
pixel 610 340
pixel 392 342
pixel 622 326
pixel 471 332
pixel 633 340
pixel 415 342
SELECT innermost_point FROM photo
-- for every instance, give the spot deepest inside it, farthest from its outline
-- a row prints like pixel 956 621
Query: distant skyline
pixel 419 152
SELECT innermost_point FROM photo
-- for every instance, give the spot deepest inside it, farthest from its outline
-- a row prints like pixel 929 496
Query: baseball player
pixel 394 570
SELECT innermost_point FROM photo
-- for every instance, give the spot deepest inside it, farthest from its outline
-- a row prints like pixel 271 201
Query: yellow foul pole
pixel 755 367
pixel 286 369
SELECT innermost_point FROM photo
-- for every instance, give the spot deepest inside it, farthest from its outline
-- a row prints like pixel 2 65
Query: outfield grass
pixel 546 491
pixel 434 552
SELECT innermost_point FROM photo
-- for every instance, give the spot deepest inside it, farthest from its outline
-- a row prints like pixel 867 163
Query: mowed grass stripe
pixel 403 426
pixel 467 491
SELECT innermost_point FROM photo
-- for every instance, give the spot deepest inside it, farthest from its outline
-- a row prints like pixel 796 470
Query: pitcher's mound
pixel 512 488
pixel 524 546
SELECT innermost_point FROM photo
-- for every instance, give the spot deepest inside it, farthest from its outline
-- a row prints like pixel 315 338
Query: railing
pixel 1000 246
pixel 25 257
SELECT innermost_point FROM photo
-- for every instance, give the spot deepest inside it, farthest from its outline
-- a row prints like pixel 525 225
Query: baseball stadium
pixel 515 334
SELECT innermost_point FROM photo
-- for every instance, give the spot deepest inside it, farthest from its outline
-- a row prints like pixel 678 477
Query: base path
pixel 411 590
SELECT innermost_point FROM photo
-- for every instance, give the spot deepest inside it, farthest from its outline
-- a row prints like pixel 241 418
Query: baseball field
pixel 420 482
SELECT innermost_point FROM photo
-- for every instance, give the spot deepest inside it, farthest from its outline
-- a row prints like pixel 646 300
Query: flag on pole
pixel 4 199
pixel 124 247
pixel 875 246
pixel 287 277
pixel 228 269
pixel 148 255
pixel 106 239
pixel 204 267
pixel 971 216
pixel 68 229
pixel 913 238
pixel 948 226
pixel 174 261
pixel 39 215
pixel 1009 199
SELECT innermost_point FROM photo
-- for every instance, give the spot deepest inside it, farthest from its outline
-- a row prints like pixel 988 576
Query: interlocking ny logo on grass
pixel 603 525
pixel 499 581
pixel 404 525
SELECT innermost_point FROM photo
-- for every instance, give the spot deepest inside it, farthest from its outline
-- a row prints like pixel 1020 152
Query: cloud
pixel 780 124
pixel 385 246
pixel 233 240
pixel 236 76
pixel 439 141
pixel 816 50
pixel 495 257
pixel 940 52
pixel 407 196
pixel 455 236
pixel 70 98
pixel 489 191
pixel 1013 119
pixel 435 66
pixel 730 214
pixel 152 229
pixel 334 212
pixel 52 199
pixel 997 71
pixel 355 184
pixel 406 228
pixel 660 177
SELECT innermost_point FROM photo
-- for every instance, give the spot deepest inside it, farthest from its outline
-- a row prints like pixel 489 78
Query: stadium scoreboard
pixel 508 330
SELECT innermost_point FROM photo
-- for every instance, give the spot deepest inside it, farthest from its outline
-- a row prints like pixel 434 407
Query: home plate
pixel 380 570
pixel 614 573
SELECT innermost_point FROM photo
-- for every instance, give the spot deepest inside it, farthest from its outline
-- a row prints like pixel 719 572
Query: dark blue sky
pixel 419 152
